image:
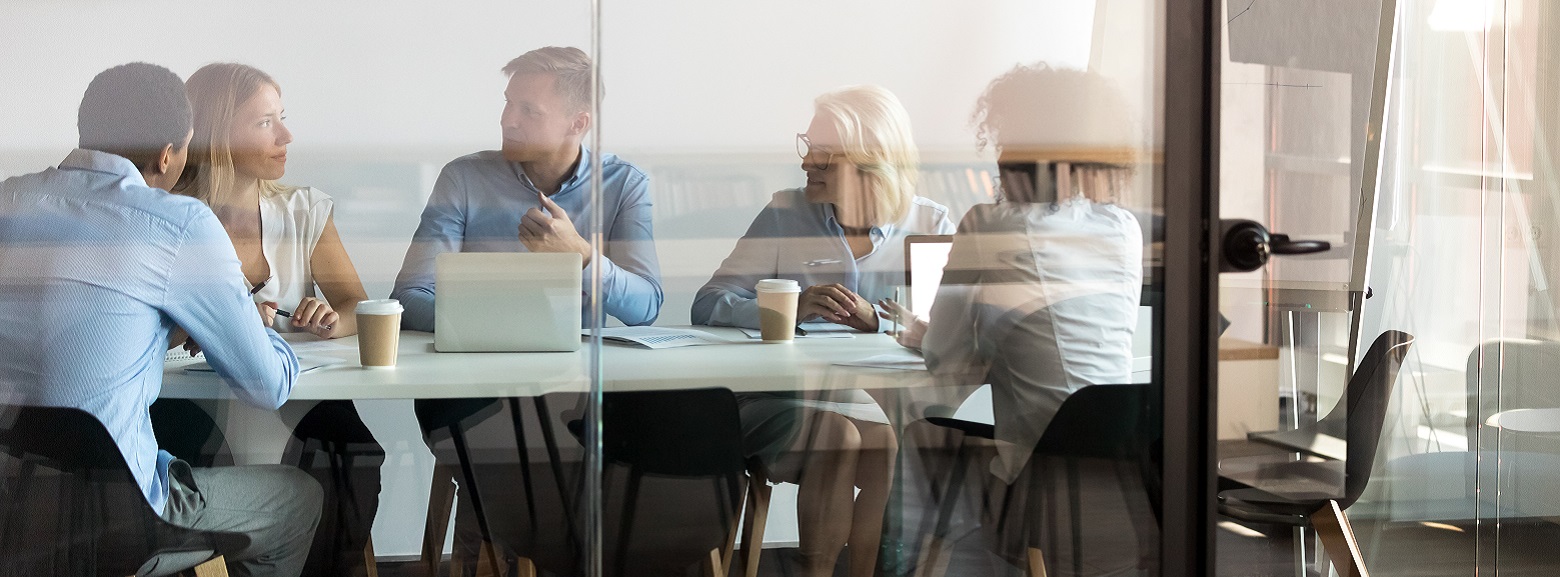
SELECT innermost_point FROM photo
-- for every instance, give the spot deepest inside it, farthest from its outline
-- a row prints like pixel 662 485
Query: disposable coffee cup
pixel 777 309
pixel 379 332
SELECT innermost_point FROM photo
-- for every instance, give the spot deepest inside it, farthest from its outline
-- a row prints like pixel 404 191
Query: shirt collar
pixel 581 173
pixel 98 161
pixel 877 233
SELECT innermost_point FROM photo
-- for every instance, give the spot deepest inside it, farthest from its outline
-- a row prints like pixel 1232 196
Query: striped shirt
pixel 95 269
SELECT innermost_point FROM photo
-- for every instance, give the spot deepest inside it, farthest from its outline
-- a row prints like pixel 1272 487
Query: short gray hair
pixel 569 65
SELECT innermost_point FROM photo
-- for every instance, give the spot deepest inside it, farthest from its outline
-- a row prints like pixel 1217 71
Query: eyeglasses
pixel 804 148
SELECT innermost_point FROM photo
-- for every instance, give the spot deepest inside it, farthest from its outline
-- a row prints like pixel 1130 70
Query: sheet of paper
pixel 659 337
pixel 904 361
pixel 305 364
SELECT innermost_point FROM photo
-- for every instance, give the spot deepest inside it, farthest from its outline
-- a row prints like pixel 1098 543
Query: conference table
pixel 740 364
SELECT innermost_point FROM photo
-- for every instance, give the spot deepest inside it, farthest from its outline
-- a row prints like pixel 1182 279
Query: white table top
pixel 1527 420
pixel 742 366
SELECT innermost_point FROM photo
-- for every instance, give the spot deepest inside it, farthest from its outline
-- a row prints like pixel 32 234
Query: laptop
pixel 925 257
pixel 507 302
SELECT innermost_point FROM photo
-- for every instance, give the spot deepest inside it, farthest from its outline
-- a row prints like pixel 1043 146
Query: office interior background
pixel 706 97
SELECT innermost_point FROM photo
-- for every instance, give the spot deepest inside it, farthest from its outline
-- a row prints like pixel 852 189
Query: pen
pixel 285 314
pixel 257 287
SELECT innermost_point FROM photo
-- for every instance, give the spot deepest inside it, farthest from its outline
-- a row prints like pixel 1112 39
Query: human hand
pixel 317 317
pixel 914 327
pixel 836 304
pixel 267 313
pixel 552 231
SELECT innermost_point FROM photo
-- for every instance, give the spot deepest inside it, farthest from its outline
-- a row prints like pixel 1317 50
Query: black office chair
pixel 1116 423
pixel 673 435
pixel 1315 494
pixel 72 507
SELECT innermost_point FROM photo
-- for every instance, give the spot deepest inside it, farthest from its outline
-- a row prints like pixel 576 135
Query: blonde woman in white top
pixel 287 245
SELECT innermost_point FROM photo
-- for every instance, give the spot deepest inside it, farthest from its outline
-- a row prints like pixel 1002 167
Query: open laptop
pixel 925 257
pixel 507 302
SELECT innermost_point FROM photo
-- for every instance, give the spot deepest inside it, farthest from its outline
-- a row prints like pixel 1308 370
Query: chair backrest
pixel 1366 397
pixel 1103 421
pixel 689 433
pixel 102 522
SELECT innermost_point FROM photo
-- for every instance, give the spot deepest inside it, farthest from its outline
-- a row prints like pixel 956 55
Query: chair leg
pixel 713 567
pixel 756 517
pixel 370 561
pixel 933 560
pixel 488 563
pixel 441 499
pixel 1075 509
pixel 1332 527
pixel 1036 562
pixel 524 567
pixel 216 567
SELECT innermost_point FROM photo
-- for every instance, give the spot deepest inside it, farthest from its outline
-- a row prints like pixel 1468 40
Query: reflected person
pixel 842 237
pixel 98 266
pixel 287 244
pixel 1040 295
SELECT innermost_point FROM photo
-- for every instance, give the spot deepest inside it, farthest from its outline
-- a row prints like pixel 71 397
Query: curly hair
pixel 1061 118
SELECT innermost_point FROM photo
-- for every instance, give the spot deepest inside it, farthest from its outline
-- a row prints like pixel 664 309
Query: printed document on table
pixel 305 364
pixel 658 337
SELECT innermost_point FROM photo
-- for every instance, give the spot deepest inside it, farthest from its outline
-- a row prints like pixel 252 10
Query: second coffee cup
pixel 777 308
pixel 379 332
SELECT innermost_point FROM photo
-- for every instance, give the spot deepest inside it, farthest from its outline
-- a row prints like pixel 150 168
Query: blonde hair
pixel 875 135
pixel 216 91
pixel 569 65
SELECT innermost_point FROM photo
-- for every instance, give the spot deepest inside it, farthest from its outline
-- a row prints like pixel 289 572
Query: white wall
pixel 381 93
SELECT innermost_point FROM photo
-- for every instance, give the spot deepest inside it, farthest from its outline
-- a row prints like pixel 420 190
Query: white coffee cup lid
pixel 379 307
pixel 779 285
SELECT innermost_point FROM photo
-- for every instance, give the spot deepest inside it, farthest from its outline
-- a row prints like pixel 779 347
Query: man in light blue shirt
pixel 534 196
pixel 98 266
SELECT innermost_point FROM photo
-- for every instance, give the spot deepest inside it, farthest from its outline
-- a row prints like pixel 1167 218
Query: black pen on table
pixel 279 312
pixel 285 314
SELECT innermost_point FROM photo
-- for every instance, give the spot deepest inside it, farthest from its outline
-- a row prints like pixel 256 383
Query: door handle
pixel 1247 245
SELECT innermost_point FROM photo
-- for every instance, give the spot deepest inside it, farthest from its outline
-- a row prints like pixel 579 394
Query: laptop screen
pixel 925 257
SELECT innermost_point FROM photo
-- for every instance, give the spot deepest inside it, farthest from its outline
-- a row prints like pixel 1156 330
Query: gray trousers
pixel 275 505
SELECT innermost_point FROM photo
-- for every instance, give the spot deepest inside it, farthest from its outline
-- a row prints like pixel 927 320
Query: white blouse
pixel 291 222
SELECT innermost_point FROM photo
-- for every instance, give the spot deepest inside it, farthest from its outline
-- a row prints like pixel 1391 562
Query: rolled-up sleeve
pixel 205 295
pixel 442 229
pixel 630 271
pixel 728 298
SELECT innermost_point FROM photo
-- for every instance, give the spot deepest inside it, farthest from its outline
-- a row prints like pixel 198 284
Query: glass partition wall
pixel 1460 482
pixel 983 182
pixel 862 289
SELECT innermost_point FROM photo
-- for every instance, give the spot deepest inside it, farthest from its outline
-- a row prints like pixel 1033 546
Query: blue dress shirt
pixel 802 241
pixel 95 269
pixel 476 206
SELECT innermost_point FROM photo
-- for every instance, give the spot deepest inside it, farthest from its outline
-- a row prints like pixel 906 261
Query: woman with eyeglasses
pixel 287 244
pixel 841 237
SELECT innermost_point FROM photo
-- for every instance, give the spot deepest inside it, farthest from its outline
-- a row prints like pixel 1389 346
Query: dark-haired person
pixel 98 266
